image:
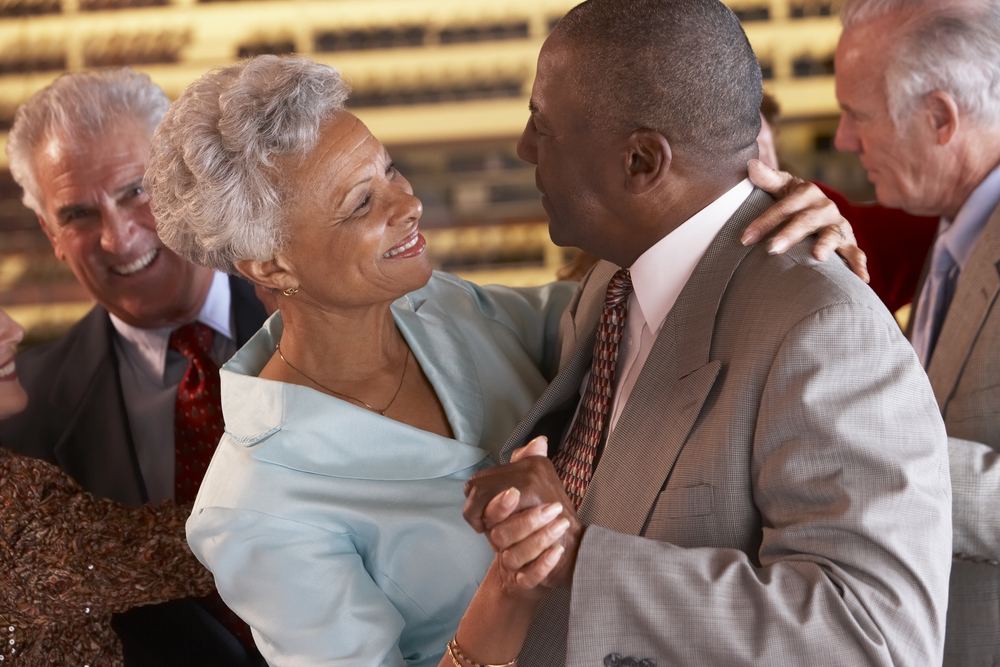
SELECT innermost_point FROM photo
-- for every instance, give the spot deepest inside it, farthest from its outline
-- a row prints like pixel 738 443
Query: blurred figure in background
pixel 919 85
pixel 71 560
pixel 127 402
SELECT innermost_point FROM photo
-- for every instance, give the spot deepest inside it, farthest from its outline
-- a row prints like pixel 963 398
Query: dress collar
pixel 329 436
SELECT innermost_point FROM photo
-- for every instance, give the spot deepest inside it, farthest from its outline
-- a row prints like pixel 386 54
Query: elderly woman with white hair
pixel 331 512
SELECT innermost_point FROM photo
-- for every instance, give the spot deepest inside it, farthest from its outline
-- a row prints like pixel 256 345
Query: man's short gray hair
pixel 213 173
pixel 952 46
pixel 79 105
pixel 681 67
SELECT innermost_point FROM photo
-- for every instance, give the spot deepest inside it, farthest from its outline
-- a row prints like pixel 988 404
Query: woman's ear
pixel 272 274
pixel 647 160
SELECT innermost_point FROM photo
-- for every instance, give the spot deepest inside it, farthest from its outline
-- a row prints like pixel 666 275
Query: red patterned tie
pixel 198 411
pixel 575 460
pixel 198 428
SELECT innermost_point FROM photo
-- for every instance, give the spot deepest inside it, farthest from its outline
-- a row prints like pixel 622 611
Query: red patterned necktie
pixel 198 411
pixel 575 460
pixel 198 427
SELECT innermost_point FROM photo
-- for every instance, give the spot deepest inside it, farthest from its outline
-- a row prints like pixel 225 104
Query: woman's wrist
pixel 459 659
pixel 493 628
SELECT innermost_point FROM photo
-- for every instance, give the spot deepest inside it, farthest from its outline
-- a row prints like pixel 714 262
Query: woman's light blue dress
pixel 336 533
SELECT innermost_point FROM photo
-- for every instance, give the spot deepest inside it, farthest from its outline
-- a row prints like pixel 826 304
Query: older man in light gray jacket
pixel 919 85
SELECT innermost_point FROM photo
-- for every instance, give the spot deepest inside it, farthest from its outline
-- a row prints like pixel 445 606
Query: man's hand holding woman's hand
pixel 527 517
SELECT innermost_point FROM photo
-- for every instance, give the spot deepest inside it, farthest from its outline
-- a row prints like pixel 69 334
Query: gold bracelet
pixel 456 653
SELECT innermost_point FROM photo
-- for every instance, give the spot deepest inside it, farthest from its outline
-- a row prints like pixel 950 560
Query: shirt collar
pixel 149 346
pixel 960 236
pixel 660 273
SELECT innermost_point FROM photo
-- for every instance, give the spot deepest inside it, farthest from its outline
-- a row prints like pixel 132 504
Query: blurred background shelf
pixel 443 83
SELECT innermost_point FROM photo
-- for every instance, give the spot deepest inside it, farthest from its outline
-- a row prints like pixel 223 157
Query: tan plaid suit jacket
pixel 965 374
pixel 776 490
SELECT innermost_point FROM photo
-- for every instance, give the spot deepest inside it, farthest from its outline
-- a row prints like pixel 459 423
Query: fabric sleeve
pixel 304 591
pixel 72 551
pixel 849 476
pixel 533 314
pixel 975 482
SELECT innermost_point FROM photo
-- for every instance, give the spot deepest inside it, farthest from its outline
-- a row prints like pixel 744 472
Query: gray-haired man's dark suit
pixel 76 418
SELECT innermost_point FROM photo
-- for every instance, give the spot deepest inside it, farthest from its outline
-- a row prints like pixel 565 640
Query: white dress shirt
pixel 150 374
pixel 658 277
pixel 957 238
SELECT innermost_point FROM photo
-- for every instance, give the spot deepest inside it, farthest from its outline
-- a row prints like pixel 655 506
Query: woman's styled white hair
pixel 213 174
pixel 950 45
pixel 79 105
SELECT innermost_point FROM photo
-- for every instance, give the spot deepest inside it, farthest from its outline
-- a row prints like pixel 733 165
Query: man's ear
pixel 60 255
pixel 273 274
pixel 646 161
pixel 943 112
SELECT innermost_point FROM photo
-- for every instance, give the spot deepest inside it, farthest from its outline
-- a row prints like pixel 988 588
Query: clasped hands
pixel 530 522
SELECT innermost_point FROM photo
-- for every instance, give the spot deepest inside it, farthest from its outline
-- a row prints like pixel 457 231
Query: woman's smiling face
pixel 352 226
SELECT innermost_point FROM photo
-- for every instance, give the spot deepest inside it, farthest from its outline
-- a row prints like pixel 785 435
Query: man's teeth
pixel 7 370
pixel 137 265
pixel 403 248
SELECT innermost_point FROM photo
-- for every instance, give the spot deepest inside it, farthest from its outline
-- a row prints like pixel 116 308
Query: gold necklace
pixel 406 362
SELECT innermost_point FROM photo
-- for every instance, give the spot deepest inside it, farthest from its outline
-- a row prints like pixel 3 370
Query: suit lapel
pixel 977 290
pixel 96 446
pixel 670 391
pixel 578 332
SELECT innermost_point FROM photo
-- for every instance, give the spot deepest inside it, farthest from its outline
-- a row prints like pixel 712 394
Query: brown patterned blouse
pixel 69 560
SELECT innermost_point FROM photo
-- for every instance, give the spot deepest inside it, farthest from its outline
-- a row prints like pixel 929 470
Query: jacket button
pixel 630 662
pixel 647 663
pixel 612 660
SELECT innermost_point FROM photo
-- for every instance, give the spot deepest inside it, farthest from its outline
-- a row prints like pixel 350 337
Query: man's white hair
pixel 947 45
pixel 214 172
pixel 79 105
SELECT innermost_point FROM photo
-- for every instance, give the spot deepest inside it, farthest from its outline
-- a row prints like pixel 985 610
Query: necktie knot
pixel 192 340
pixel 619 288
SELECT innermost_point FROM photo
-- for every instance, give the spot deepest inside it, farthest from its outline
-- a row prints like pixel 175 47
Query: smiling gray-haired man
pixel 919 85
pixel 104 400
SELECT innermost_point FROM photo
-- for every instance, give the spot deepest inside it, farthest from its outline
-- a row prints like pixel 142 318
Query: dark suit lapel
pixel 975 294
pixel 96 446
pixel 248 311
pixel 670 391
